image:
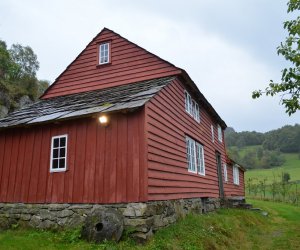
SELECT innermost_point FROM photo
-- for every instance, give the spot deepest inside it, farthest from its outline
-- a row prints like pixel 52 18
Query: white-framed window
pixel 188 103
pixel 200 159
pixel 190 152
pixel 195 156
pixel 191 106
pixel 212 133
pixel 196 112
pixel 225 172
pixel 236 177
pixel 104 53
pixel 58 161
pixel 220 137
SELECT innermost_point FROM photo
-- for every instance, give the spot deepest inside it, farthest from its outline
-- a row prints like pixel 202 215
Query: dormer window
pixel 104 53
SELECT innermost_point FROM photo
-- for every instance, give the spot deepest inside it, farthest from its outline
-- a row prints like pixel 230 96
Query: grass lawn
pixel 225 229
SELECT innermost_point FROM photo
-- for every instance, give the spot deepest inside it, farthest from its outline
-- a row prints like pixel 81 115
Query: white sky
pixel 227 47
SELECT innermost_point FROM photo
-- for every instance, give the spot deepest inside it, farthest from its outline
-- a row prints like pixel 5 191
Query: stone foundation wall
pixel 142 219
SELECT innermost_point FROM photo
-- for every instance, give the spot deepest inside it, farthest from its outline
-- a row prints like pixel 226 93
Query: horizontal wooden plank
pixel 83 75
pixel 168 123
pixel 111 83
pixel 159 197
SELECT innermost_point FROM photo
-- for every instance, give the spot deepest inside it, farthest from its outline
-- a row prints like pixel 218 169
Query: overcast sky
pixel 227 47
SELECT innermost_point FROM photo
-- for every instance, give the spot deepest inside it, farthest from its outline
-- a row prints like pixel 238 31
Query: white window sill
pixel 58 170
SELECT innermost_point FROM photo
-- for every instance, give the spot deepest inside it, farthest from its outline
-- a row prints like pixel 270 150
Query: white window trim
pixel 236 177
pixel 225 172
pixel 51 154
pixel 190 141
pixel 220 136
pixel 196 145
pixel 197 112
pixel 212 133
pixel 191 106
pixel 201 160
pixel 108 53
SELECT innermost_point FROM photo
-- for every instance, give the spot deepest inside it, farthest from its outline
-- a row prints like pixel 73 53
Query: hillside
pixel 291 166
pixel 272 160
pixel 19 85
pixel 267 150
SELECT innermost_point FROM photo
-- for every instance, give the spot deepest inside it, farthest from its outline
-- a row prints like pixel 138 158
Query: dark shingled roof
pixel 123 97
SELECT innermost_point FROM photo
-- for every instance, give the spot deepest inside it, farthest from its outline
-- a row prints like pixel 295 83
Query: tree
pixel 26 59
pixel 18 67
pixel 289 87
pixel 8 67
pixel 285 177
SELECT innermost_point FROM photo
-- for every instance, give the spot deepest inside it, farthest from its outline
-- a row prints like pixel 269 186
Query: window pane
pixel 190 105
pixel 193 156
pixel 196 112
pixel 186 101
pixel 62 141
pixel 193 108
pixel 55 153
pixel 55 163
pixel 62 152
pixel 62 163
pixel 200 158
pixel 56 142
pixel 104 53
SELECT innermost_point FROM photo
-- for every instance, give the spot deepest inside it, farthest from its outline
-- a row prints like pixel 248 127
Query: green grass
pixel 224 229
pixel 291 165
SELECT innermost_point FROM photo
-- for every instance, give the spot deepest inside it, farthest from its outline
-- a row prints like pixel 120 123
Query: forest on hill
pixel 19 85
pixel 263 150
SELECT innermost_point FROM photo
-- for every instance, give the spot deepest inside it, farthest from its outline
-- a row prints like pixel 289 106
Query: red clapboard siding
pixel 231 189
pixel 167 124
pixel 105 164
pixel 129 63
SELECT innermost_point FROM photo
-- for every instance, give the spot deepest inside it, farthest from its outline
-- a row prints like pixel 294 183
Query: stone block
pixel 47 224
pixel 45 214
pixel 80 206
pixel 135 210
pixel 57 207
pixel 135 222
pixel 142 237
pixel 35 221
pixel 25 217
pixel 64 213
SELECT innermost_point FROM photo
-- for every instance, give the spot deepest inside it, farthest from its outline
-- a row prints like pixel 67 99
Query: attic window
pixel 104 53
pixel 58 161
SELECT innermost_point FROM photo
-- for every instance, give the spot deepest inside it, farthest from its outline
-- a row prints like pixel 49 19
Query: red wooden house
pixel 118 125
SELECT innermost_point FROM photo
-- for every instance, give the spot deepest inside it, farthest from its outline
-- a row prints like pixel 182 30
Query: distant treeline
pixel 285 139
pixel 267 147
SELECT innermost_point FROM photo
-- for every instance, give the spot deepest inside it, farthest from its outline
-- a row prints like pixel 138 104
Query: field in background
pixel 268 183
pixel 291 166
